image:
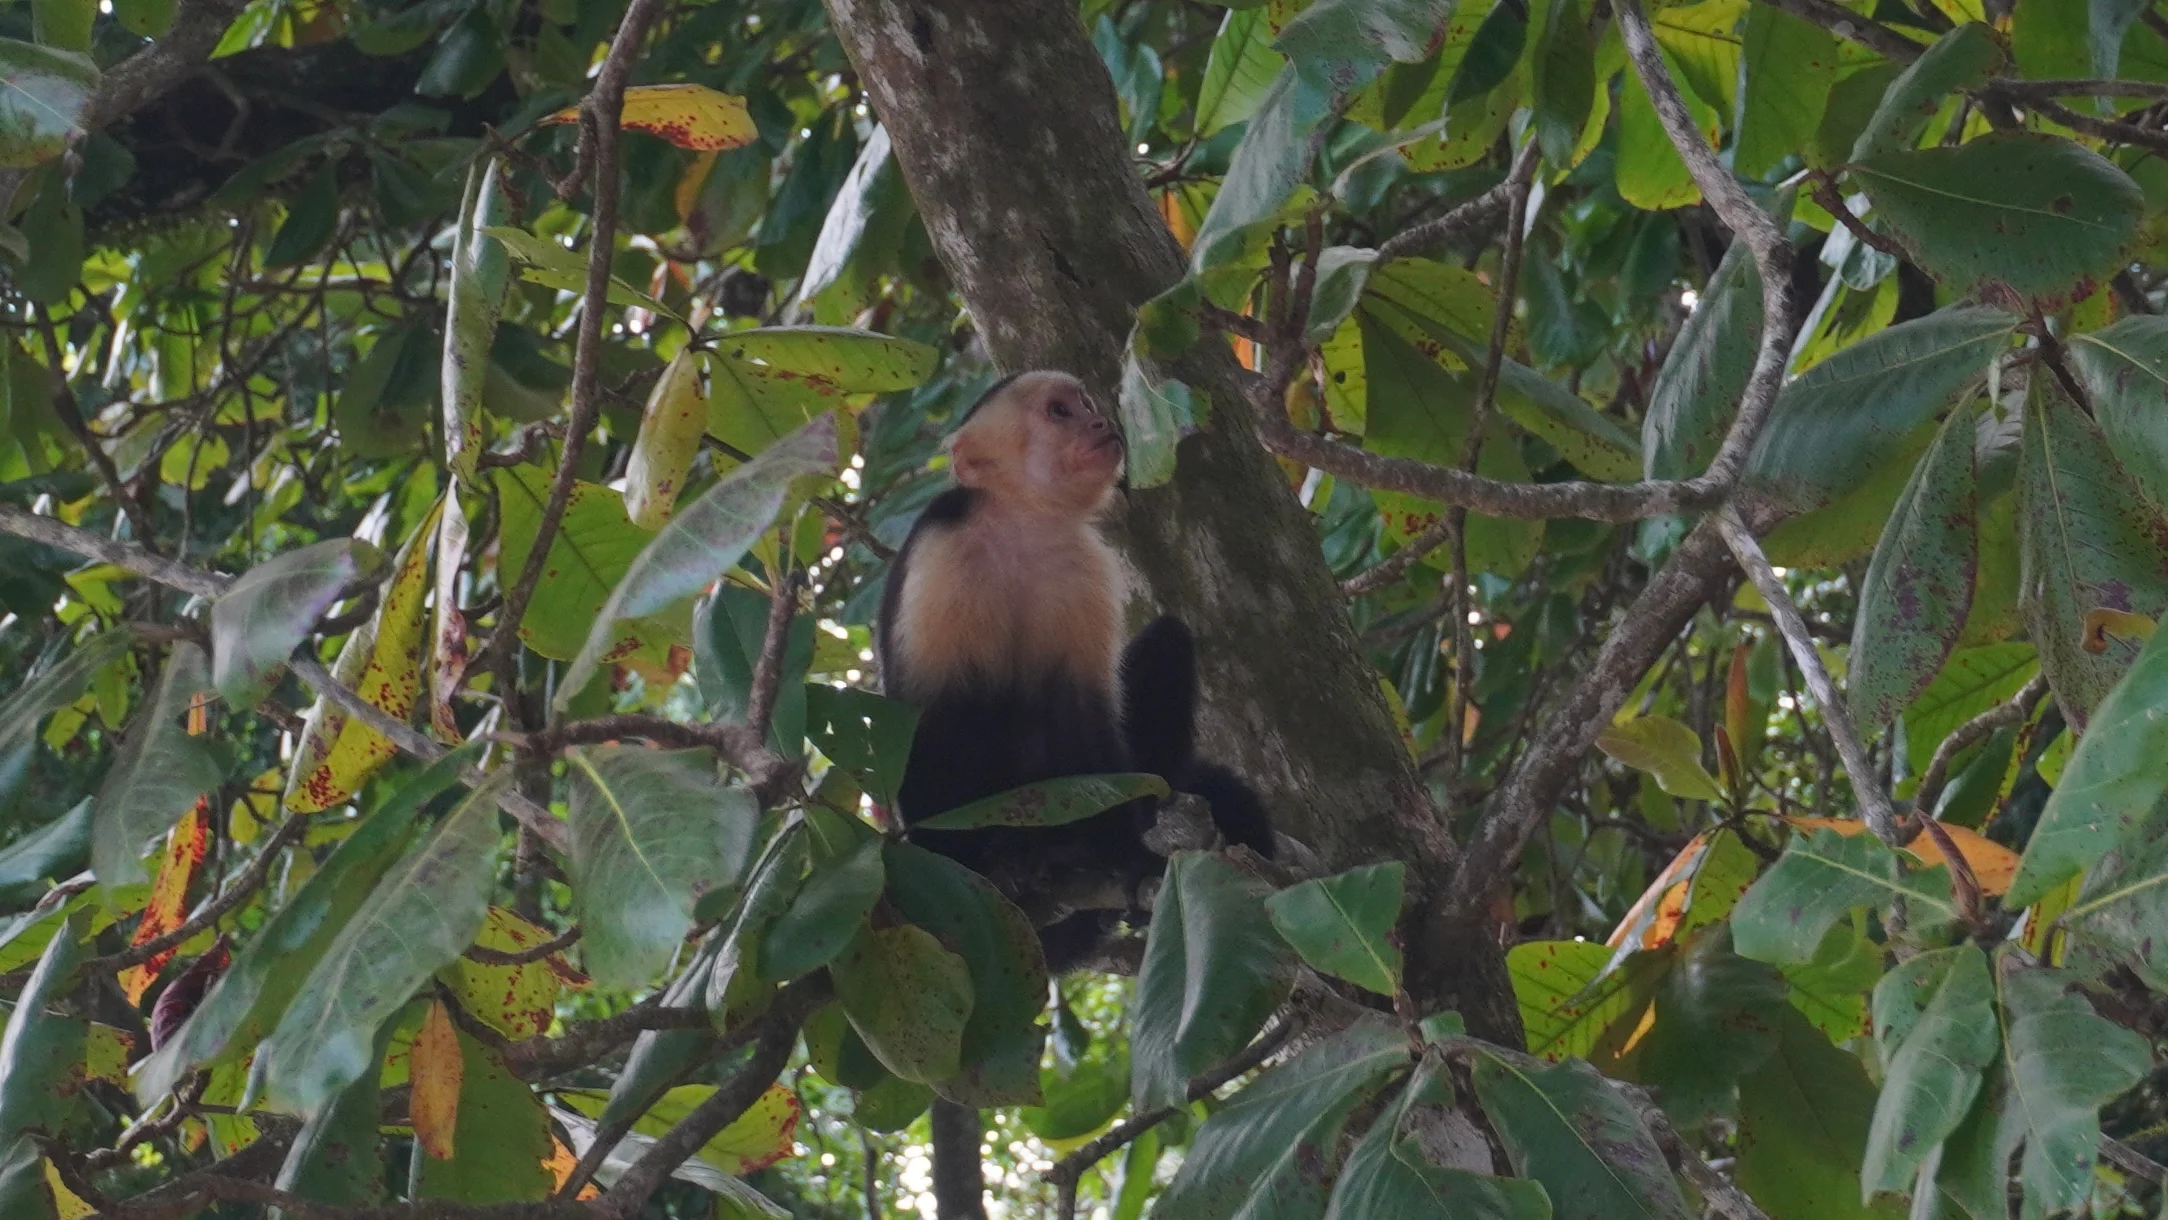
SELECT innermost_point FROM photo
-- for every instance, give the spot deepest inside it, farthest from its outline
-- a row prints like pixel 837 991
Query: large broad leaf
pixel 1819 880
pixel 337 1156
pixel 2110 791
pixel 501 1140
pixel 1562 79
pixel 55 850
pixel 1541 407
pixel 1919 586
pixel 2087 541
pixel 1388 1176
pixel 1241 66
pixel 1569 997
pixel 2013 215
pixel 1268 165
pixel 1213 970
pixel 853 361
pixel 1567 1127
pixel 1831 989
pixel 259 621
pixel 1697 391
pixel 669 439
pixel 41 1054
pixel 2061 1061
pixel 1866 398
pixel 1934 1018
pixel 704 540
pixel 1803 1118
pixel 56 687
pixel 1342 924
pixel 863 733
pixel 1716 1017
pixel 1790 66
pixel 480 273
pixel 1003 1039
pixel 689 116
pixel 653 832
pixel 2116 916
pixel 382 660
pixel 1961 59
pixel 2125 371
pixel 730 628
pixel 1972 681
pixel 423 911
pixel 1270 1151
pixel 909 998
pixel 1667 750
pixel 43 94
pixel 1054 802
pixel 596 542
pixel 156 776
pixel 828 911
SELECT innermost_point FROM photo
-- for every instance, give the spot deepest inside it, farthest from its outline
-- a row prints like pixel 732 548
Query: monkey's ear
pixel 968 461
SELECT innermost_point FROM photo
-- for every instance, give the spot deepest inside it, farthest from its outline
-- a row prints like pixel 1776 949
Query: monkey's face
pixel 1042 444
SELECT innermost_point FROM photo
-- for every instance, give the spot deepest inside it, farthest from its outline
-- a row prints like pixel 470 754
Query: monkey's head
pixel 1038 441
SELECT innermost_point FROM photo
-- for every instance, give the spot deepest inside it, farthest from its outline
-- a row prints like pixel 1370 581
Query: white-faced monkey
pixel 1002 623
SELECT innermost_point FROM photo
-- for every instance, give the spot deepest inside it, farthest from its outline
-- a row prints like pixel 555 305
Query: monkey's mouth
pixel 1111 440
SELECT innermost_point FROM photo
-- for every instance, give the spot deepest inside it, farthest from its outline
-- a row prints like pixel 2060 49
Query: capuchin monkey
pixel 1002 624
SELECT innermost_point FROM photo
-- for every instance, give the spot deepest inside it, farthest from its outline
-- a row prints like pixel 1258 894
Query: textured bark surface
pixel 1004 123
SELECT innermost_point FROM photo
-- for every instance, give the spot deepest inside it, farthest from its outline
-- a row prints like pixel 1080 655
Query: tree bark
pixel 1004 123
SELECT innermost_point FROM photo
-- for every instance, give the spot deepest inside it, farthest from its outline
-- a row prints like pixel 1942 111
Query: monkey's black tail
pixel 1237 810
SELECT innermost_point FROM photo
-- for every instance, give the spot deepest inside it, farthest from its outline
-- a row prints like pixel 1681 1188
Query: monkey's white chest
pixel 1009 601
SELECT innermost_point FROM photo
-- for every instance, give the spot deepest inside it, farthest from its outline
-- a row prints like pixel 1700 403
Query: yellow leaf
pixel 186 845
pixel 437 1072
pixel 105 1054
pixel 516 1001
pixel 1843 826
pixel 382 660
pixel 1993 865
pixel 668 441
pixel 1654 917
pixel 757 1138
pixel 689 116
pixel 688 188
pixel 561 1164
pixel 65 1202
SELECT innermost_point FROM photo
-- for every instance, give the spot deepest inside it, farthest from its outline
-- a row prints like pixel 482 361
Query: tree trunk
pixel 1004 123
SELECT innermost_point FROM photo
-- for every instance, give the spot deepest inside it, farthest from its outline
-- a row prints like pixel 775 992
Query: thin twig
pixel 768 667
pixel 1825 192
pixel 71 414
pixel 251 879
pixel 2016 711
pixel 1852 27
pixel 1874 803
pixel 533 953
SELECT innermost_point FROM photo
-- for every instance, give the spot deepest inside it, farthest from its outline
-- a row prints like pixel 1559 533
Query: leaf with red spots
pixel 435 1071
pixel 1568 1002
pixel 668 440
pixel 1919 586
pixel 518 1001
pixel 689 116
pixel 186 846
pixel 382 660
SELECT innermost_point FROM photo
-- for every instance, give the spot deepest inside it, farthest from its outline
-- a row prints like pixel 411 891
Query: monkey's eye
pixel 1059 408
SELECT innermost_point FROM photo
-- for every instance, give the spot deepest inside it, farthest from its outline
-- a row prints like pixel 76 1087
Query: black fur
pixel 1159 717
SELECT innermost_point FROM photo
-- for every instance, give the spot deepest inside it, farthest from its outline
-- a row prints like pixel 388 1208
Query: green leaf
pixel 2063 1062
pixel 1343 274
pixel 1919 586
pixel 1053 802
pixel 909 998
pixel 2110 791
pixel 853 361
pixel 704 540
pixel 337 1156
pixel 44 92
pixel 480 273
pixel 2125 371
pixel 1649 173
pixel 1971 681
pixel 1697 390
pixel 383 408
pixel 1790 66
pixel 2008 215
pixel 1240 68
pixel 501 1141
pixel 1545 409
pixel 57 686
pixel 1570 997
pixel 730 628
pixel 1819 880
pixel 427 907
pixel 250 997
pixel 1082 1102
pixel 1568 1128
pixel 1831 988
pixel 1716 1017
pixel 53 229
pixel 1268 165
pixel 266 613
pixel 156 776
pixel 41 1054
pixel 1003 1040
pixel 1271 1150
pixel 546 262
pixel 1562 79
pixel 63 25
pixel 825 915
pixel 1156 414
pixel 311 219
pixel 1803 1117
pixel 1214 969
pixel 1934 1019
pixel 2086 541
pixel 593 549
pixel 1964 58
pixel 1866 398
pixel 1388 1177
pixel 1667 750
pixel 1342 925
pixel 654 832
pixel 866 735
pixel 50 853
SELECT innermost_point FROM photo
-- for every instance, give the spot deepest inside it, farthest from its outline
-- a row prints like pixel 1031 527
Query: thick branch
pixel 62 536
